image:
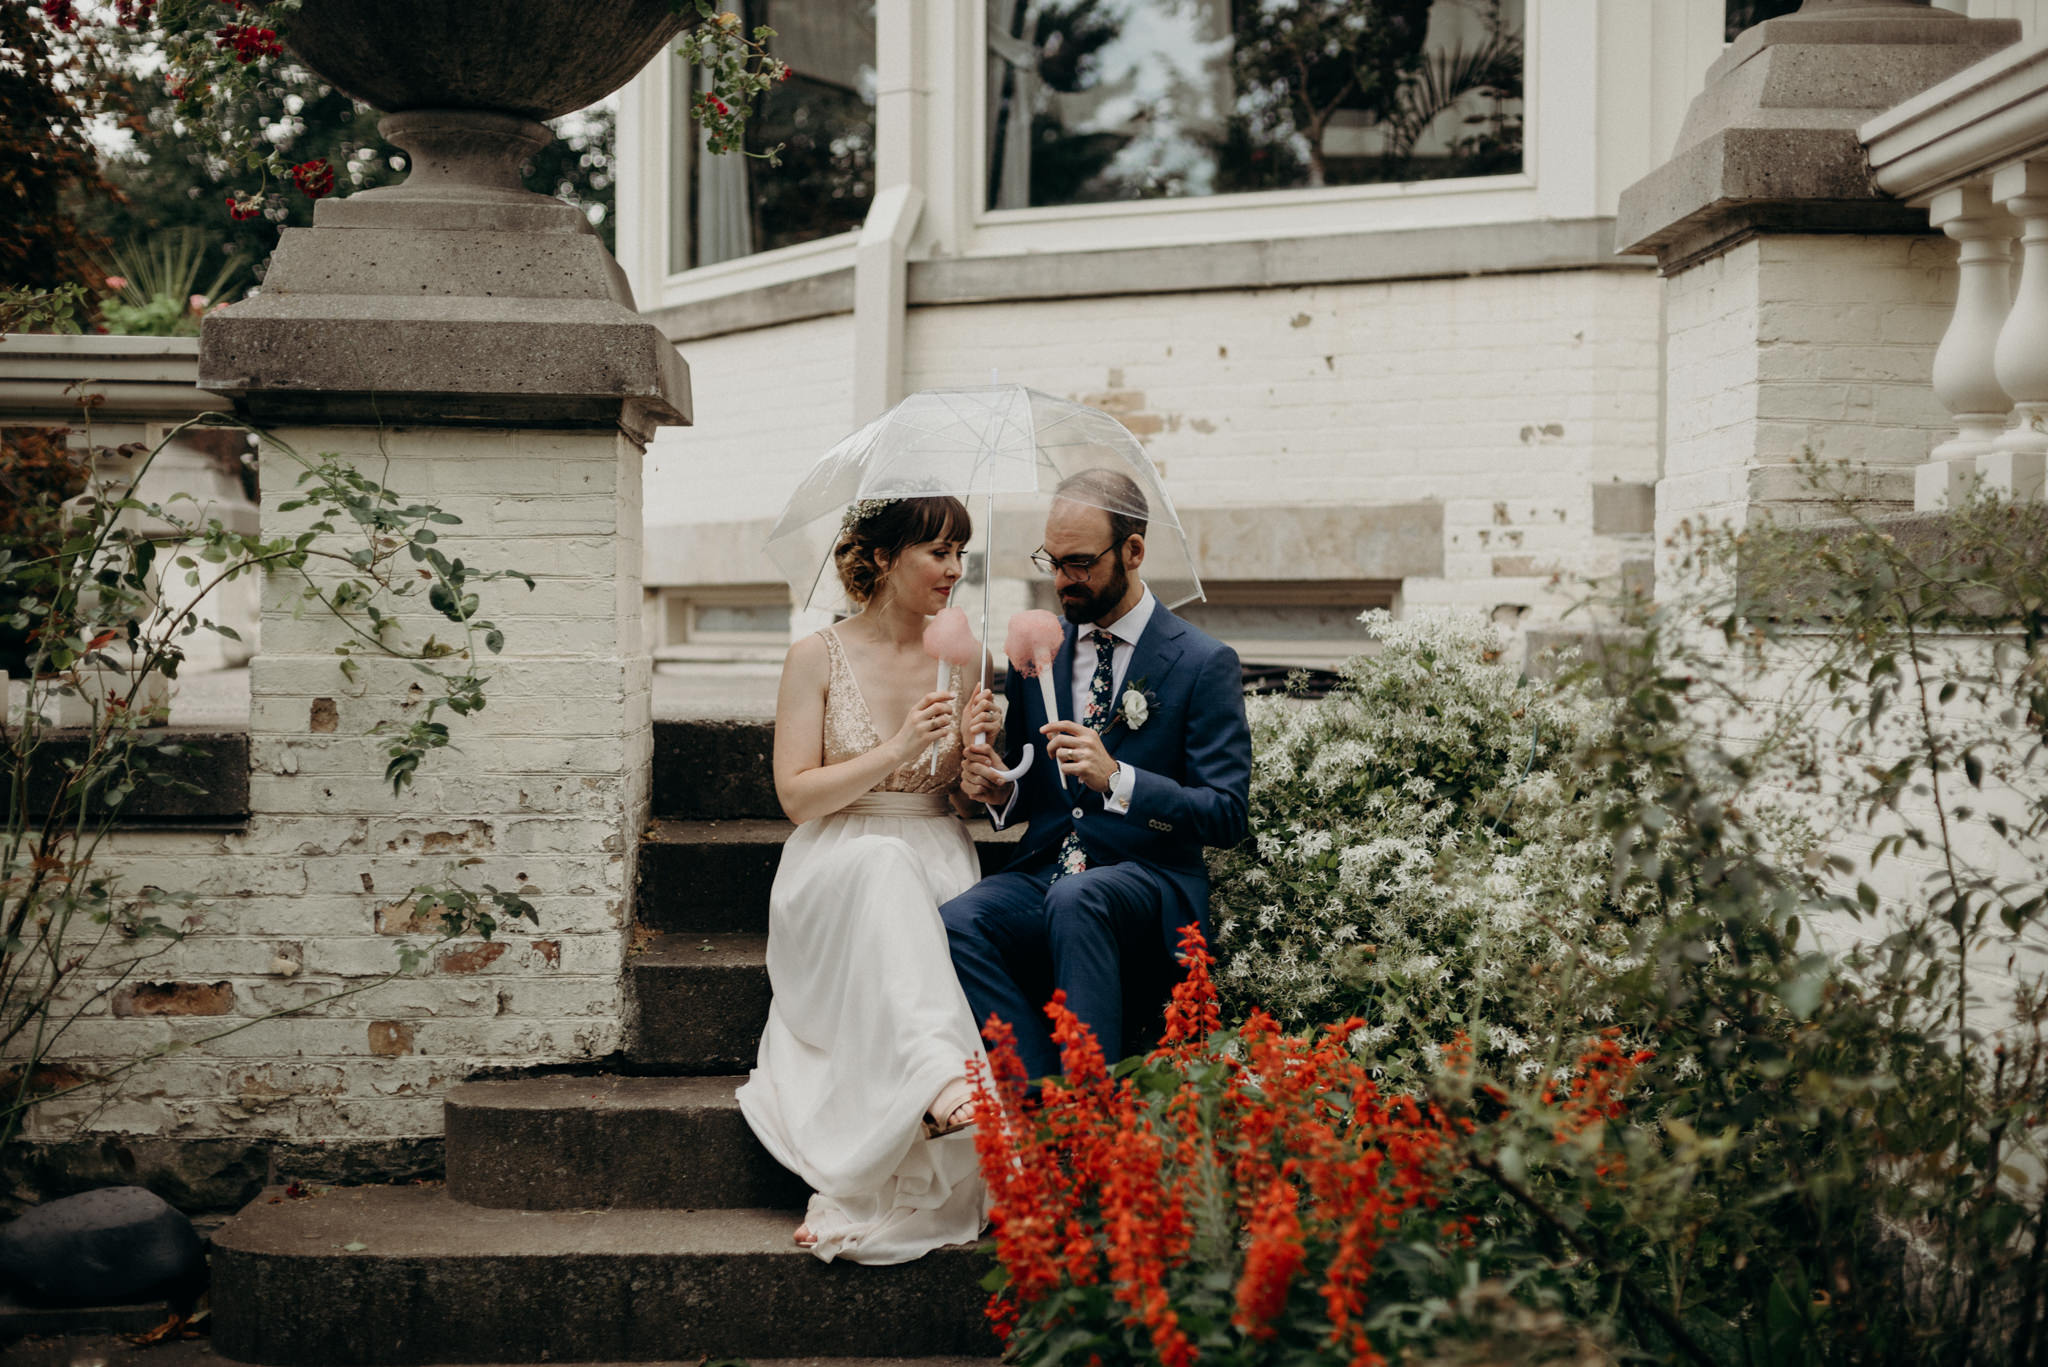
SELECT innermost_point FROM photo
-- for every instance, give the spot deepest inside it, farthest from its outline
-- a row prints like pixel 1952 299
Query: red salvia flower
pixel 1271 1261
pixel 1117 1179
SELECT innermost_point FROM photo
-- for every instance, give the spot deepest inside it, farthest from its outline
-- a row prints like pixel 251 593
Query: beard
pixel 1087 606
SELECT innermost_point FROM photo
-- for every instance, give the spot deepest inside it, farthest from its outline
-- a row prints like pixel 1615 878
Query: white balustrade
pixel 1973 150
pixel 2019 458
pixel 1964 375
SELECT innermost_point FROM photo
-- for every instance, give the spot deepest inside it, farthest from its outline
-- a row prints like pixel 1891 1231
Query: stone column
pixel 1804 305
pixel 470 344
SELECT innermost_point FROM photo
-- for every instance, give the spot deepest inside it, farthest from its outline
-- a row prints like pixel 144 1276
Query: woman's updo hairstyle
pixel 876 531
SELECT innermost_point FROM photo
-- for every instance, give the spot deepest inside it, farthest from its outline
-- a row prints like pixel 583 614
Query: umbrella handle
pixel 1023 766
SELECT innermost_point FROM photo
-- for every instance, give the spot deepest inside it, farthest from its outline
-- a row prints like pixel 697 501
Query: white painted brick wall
pixel 768 403
pixel 1789 343
pixel 1502 396
pixel 546 792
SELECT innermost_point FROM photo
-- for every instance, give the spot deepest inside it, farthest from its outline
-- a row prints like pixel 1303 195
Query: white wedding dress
pixel 868 1021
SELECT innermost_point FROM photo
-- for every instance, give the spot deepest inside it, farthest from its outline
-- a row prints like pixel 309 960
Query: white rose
pixel 1135 710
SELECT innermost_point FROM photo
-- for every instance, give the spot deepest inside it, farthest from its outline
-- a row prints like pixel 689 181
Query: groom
pixel 1152 744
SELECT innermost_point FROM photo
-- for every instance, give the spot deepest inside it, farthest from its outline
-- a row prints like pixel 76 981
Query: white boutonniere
pixel 1135 707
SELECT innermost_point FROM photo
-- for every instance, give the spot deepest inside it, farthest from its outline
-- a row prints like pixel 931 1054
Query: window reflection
pixel 1742 14
pixel 824 116
pixel 1101 100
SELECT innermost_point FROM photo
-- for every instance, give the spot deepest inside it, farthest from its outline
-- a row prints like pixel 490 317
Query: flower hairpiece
pixel 860 510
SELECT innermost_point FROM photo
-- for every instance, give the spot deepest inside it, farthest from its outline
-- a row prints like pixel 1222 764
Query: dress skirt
pixel 867 1024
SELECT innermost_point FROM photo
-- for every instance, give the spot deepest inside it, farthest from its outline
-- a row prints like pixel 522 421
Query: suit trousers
pixel 1017 937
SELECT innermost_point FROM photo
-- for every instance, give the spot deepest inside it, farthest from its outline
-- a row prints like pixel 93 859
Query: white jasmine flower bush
pixel 1424 854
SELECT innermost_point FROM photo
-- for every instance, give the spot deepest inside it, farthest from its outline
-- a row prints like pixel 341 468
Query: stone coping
pixel 1924 537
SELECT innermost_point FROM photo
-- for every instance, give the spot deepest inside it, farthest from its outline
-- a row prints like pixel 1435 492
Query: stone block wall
pixel 312 898
pixel 1505 399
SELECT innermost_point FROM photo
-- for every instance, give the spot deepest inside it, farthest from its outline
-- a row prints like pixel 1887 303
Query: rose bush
pixel 218 54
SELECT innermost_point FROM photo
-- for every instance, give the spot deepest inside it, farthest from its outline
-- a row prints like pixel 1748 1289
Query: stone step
pixel 714 770
pixel 409 1275
pixel 628 1143
pixel 713 876
pixel 700 1001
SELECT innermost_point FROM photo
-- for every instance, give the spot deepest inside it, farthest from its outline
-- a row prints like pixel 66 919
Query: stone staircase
pixel 623 1217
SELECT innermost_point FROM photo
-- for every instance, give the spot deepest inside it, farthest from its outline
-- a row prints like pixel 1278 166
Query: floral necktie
pixel 1072 858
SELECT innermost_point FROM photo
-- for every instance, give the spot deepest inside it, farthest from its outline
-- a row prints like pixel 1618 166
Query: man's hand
pixel 979 768
pixel 979 763
pixel 1080 753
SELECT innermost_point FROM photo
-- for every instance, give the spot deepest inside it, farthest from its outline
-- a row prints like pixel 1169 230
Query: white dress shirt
pixel 1127 629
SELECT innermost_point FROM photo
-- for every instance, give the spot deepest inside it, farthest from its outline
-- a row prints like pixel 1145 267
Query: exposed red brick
pixel 474 835
pixel 399 918
pixel 53 1077
pixel 324 717
pixel 551 950
pixel 390 1039
pixel 175 999
pixel 473 959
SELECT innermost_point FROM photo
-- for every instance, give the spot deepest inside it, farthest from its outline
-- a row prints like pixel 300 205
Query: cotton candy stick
pixel 1033 639
pixel 949 639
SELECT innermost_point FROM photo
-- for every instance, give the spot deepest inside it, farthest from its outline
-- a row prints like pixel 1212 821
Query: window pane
pixel 824 118
pixel 1100 100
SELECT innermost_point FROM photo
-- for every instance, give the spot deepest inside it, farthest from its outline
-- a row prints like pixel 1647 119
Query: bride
pixel 859 1087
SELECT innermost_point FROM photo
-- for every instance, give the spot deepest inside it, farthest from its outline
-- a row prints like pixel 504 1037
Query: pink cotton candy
pixel 1033 639
pixel 949 638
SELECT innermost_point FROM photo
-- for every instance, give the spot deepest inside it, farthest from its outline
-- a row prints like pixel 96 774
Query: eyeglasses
pixel 1076 565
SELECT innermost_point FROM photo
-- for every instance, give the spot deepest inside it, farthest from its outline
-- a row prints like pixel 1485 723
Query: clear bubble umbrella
pixel 1003 449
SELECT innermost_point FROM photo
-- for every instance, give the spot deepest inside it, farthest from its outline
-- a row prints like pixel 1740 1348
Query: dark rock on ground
pixel 202 1176
pixel 103 1247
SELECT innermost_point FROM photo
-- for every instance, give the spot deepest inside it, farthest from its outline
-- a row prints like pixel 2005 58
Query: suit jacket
pixel 1193 758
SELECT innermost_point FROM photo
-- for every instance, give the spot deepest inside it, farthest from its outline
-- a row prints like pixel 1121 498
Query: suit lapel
pixel 1157 650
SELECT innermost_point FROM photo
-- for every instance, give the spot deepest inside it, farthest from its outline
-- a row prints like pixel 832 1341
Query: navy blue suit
pixel 1108 935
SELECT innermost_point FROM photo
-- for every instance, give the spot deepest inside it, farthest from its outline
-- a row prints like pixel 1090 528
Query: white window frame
pixel 681 603
pixel 1266 214
pixel 1594 119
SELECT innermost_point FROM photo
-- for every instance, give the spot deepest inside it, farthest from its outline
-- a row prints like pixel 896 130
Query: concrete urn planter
pixel 538 59
pixel 457 296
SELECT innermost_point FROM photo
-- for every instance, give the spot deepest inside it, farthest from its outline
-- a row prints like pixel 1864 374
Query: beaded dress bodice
pixel 850 730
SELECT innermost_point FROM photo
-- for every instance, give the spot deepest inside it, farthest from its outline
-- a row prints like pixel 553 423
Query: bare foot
pixel 952 1109
pixel 804 1238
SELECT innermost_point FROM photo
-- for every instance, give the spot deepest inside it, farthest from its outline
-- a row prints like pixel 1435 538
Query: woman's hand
pixel 927 722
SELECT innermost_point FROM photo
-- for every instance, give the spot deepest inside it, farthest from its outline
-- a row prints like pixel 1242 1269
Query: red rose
pixel 249 42
pixel 314 178
pixel 242 208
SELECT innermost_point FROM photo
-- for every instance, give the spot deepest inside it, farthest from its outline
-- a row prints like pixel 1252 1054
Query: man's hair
pixel 1116 494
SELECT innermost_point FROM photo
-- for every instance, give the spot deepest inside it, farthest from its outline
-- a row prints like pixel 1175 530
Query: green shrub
pixel 1833 1152
pixel 1424 853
